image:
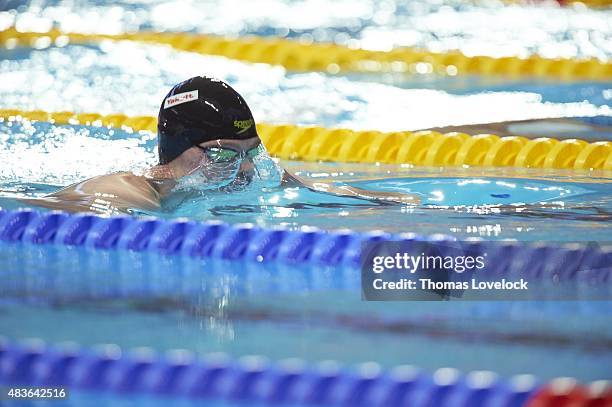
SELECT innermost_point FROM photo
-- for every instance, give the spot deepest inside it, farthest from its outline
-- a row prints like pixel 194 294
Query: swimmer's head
pixel 201 110
pixel 207 139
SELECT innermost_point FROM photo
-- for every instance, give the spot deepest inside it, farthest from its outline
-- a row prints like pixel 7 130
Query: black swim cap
pixel 201 109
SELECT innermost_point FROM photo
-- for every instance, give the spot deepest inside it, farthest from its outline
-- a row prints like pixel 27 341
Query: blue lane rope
pixel 252 379
pixel 571 262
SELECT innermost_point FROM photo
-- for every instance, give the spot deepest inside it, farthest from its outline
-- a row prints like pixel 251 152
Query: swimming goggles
pixel 224 154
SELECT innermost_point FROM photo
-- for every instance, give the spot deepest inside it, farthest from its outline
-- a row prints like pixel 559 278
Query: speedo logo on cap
pixel 243 125
pixel 180 98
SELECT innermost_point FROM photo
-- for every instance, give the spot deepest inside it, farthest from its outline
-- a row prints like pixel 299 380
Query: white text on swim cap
pixel 180 98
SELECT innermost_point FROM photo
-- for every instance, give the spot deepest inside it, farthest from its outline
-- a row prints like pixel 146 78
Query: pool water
pixel 478 191
pixel 59 293
pixel 132 78
pixel 477 28
pixel 497 204
pixel 64 294
pixel 463 207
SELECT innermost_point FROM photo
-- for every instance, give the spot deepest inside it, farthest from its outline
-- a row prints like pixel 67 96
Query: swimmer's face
pixel 226 150
pixel 220 162
pixel 218 155
pixel 223 164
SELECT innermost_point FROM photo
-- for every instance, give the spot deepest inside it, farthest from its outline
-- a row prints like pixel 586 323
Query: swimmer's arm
pixel 53 203
pixel 349 191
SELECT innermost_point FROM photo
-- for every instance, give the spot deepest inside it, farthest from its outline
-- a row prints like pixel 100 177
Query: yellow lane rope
pixel 589 3
pixel 333 58
pixel 596 4
pixel 423 148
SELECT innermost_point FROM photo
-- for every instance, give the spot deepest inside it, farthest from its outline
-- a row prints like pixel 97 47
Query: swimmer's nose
pixel 246 166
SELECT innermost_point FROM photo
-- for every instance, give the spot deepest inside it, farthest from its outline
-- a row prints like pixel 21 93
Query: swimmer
pixel 207 143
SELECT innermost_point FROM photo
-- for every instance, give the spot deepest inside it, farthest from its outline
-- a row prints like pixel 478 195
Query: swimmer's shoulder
pixel 120 191
pixel 118 182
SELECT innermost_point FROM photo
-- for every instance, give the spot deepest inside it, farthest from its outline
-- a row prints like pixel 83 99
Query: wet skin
pixel 122 191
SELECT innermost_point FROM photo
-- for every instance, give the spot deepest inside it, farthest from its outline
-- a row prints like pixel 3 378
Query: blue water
pixel 495 204
pixel 59 293
pixel 120 78
pixel 480 191
pixel 481 28
pixel 131 299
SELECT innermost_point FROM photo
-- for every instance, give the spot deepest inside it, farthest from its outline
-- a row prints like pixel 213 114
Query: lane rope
pixel 22 363
pixel 253 379
pixel 572 263
pixel 422 148
pixel 588 3
pixel 180 373
pixel 332 58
